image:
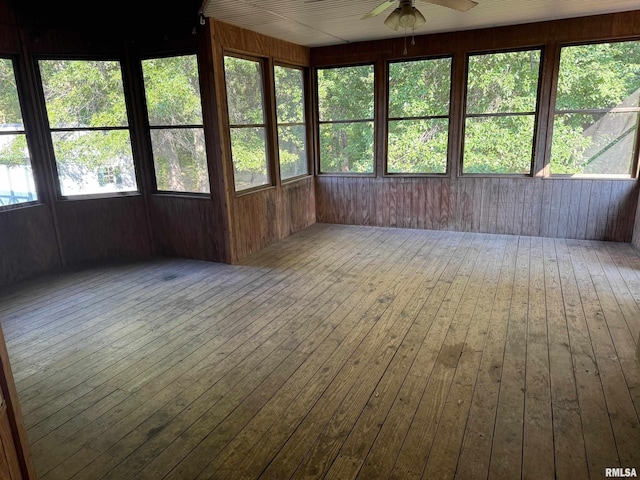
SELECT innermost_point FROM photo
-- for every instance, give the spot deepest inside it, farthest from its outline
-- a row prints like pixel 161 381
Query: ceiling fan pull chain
pixel 405 42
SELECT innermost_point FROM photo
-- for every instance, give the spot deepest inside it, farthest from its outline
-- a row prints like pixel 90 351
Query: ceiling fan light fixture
pixel 420 20
pixel 407 16
pixel 393 20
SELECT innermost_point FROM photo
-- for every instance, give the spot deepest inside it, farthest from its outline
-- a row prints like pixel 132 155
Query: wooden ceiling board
pixel 315 23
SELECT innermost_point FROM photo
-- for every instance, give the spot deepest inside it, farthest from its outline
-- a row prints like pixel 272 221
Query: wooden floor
pixel 341 352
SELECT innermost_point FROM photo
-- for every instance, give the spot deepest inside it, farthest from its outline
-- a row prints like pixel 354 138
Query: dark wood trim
pixel 139 131
pixel 14 413
pixel 38 138
pixel 314 125
pixel 272 122
pixel 209 96
pixel 380 112
pixel 457 107
pixel 547 98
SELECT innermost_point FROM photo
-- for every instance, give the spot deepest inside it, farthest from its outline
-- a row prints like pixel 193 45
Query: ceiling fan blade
pixel 379 9
pixel 460 5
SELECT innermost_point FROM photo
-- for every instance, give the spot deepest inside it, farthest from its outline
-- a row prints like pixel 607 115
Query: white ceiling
pixel 329 22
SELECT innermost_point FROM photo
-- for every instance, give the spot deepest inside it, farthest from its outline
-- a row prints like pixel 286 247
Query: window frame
pixel 306 104
pixel 49 138
pixel 450 123
pixel 536 113
pixel 318 122
pixel 267 115
pixel 152 169
pixel 553 111
pixel 35 173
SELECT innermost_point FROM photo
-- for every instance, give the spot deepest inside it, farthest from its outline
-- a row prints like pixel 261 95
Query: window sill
pixel 495 175
pixel 98 196
pixel 584 176
pixel 416 175
pixel 295 179
pixel 354 175
pixel 249 191
pixel 18 206
pixel 191 195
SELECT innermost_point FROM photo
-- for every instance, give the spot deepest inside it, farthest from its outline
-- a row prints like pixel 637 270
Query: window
pixel 16 177
pixel 247 123
pixel 345 105
pixel 596 114
pixel 502 91
pixel 418 118
pixel 89 126
pixel 172 90
pixel 292 131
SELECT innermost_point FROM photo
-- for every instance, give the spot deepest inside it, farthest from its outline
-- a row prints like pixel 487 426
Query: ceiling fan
pixel 408 16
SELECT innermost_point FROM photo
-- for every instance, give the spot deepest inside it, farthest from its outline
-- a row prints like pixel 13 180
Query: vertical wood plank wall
pixel 258 218
pixel 601 209
pixel 266 216
pixel 635 238
pixel 184 227
pixel 586 209
pixel 103 228
pixel 28 243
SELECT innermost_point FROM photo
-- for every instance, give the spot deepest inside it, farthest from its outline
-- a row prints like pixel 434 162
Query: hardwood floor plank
pixel 506 453
pixel 378 407
pixel 599 311
pixel 185 376
pixel 436 360
pixel 342 422
pixel 538 460
pixel 338 308
pixel 344 352
pixel 569 445
pixel 597 430
pixel 287 342
pixel 368 315
pixel 475 456
pixel 139 346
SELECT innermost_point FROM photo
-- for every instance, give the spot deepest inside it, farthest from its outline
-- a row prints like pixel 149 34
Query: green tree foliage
pixel 10 113
pixel 245 102
pixel 596 77
pixel 505 84
pixel 13 148
pixel 80 93
pixel 292 143
pixel 421 90
pixel 172 90
pixel 502 91
pixel 84 95
pixel 345 104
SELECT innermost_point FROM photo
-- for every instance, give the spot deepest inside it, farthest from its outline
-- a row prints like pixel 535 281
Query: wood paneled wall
pixel 635 237
pixel 266 216
pixel 185 227
pixel 28 243
pixel 261 217
pixel 587 209
pixel 103 228
pixel 602 209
